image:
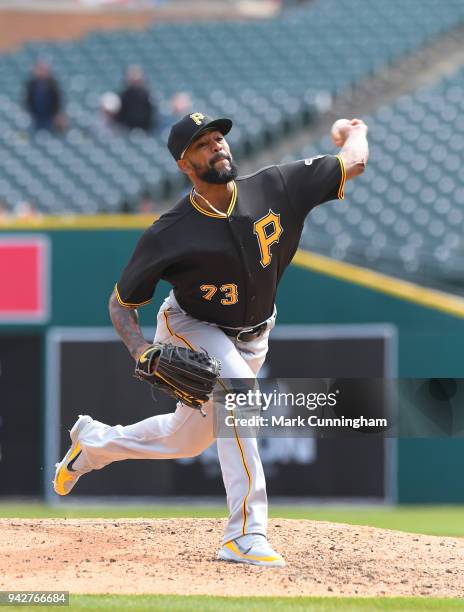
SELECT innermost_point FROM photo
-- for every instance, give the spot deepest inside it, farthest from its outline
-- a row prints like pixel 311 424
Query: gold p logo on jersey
pixel 197 118
pixel 268 230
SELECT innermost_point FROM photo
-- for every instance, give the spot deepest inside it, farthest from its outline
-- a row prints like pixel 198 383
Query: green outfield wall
pixel 85 262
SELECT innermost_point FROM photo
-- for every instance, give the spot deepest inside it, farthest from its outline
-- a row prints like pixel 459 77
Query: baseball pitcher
pixel 224 248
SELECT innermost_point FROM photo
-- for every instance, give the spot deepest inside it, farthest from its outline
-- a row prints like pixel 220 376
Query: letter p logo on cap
pixel 197 118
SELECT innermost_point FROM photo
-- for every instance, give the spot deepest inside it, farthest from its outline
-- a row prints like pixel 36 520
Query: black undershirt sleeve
pixel 141 275
pixel 310 182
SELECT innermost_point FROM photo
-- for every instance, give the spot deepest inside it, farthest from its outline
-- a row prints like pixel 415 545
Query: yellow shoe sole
pixel 64 479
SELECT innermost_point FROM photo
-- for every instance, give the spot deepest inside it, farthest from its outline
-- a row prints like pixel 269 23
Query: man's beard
pixel 219 177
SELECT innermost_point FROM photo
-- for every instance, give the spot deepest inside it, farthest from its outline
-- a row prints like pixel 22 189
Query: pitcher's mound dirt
pixel 179 556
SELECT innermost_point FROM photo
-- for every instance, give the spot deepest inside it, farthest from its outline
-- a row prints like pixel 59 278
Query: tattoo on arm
pixel 125 322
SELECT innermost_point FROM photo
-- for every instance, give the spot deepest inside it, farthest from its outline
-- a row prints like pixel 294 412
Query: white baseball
pixel 337 131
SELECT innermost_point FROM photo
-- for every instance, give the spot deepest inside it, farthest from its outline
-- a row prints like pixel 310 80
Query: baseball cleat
pixel 253 549
pixel 65 476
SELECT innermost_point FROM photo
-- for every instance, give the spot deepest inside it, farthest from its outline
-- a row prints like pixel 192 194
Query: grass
pixel 178 603
pixel 432 520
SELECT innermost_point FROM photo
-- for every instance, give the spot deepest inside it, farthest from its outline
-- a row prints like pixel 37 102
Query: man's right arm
pixel 352 137
pixel 126 323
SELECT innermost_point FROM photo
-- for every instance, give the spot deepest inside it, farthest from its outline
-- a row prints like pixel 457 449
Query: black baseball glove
pixel 186 375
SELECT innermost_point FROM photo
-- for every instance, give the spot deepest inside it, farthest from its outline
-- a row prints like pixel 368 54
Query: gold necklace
pixel 218 212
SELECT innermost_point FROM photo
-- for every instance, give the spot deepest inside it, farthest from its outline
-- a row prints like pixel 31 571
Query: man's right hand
pixel 342 128
pixel 355 149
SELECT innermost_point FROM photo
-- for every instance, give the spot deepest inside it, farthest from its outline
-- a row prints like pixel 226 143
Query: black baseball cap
pixel 187 129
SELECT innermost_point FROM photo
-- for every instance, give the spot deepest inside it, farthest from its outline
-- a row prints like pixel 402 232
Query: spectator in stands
pixel 137 107
pixel 126 207
pixel 110 105
pixel 181 104
pixel 147 204
pixel 43 98
pixel 26 210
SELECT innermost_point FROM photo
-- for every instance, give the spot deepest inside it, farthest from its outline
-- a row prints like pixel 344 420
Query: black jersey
pixel 226 270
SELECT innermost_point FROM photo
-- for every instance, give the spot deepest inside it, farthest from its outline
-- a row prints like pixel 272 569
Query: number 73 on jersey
pixel 229 293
